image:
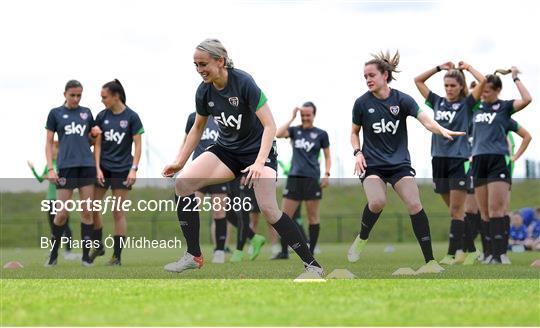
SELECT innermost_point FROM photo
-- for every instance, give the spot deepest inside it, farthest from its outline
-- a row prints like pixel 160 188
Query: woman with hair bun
pixel 384 156
pixel 117 168
pixel 76 166
pixel 245 145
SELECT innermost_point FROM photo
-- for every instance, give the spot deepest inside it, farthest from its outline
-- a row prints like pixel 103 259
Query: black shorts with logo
pixel 114 180
pixel 76 177
pixel 302 188
pixel 237 162
pixel 449 174
pixel 389 175
pixel 488 168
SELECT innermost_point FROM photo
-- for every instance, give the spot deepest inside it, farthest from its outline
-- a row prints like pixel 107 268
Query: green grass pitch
pixel 262 293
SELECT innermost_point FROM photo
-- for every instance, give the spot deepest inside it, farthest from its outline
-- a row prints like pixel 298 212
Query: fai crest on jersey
pixel 496 106
pixel 210 104
pixel 313 135
pixel 106 122
pixel 394 110
pixel 84 116
pixel 65 116
pixel 123 124
pixel 61 181
pixel 455 106
pixel 233 101
pixel 371 110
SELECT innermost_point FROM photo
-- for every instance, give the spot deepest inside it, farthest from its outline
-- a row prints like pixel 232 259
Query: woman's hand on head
pixel 447 66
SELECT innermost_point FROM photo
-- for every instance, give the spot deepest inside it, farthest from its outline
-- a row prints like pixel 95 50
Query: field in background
pixel 378 262
pixel 141 293
pixel 261 293
pixel 21 222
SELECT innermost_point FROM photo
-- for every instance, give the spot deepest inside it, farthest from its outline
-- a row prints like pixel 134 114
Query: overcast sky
pixel 295 50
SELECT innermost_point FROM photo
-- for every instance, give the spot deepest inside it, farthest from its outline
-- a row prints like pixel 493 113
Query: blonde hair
pixel 385 63
pixel 216 49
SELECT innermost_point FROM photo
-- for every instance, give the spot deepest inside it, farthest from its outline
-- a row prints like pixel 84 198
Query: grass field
pixel 262 293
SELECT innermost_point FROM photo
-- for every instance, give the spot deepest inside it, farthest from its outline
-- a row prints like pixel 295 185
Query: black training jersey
pixel 234 108
pixel 454 116
pixel 384 127
pixel 73 127
pixel 513 126
pixel 209 136
pixel 117 138
pixel 490 125
pixel 307 144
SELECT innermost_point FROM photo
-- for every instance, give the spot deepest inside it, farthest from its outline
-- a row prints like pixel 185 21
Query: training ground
pixel 262 292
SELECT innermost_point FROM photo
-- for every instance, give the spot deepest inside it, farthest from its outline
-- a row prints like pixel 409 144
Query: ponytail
pixel 116 88
pixel 216 49
pixel 502 71
pixel 386 63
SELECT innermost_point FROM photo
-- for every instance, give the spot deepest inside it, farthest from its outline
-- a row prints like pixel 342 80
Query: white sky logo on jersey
pixel 303 144
pixel 394 110
pixel 233 101
pixel 210 135
pixel 384 127
pixel 230 121
pixel 485 118
pixel 445 116
pixel 113 136
pixel 74 129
